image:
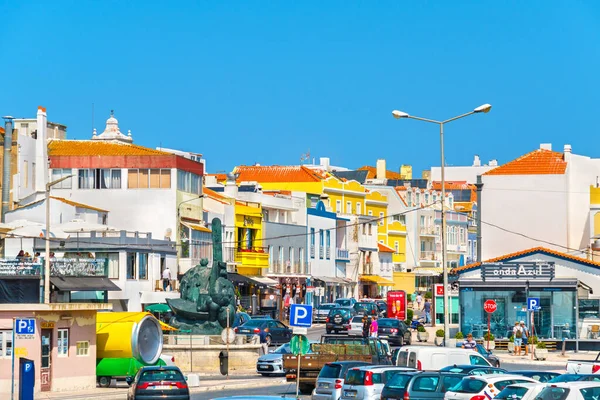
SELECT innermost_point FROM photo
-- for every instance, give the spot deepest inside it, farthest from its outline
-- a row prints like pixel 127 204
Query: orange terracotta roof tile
pixel 385 249
pixel 453 185
pixel 99 148
pixel 276 173
pixel 220 176
pixel 76 204
pixel 538 162
pixel 463 206
pixel 372 173
pixel 215 195
pixel 1 130
pixel 522 253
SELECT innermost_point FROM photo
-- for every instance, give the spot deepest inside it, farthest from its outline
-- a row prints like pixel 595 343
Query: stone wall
pixel 205 358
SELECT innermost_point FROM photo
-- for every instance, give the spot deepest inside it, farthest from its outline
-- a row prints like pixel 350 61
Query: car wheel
pixel 401 341
pixel 104 381
pixel 268 340
pixel 305 389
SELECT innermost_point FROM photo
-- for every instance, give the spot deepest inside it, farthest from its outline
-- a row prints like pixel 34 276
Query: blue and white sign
pixel 533 304
pixel 25 326
pixel 301 315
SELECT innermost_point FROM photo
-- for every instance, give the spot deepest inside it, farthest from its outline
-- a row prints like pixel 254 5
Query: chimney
pixel 567 152
pixel 231 187
pixel 325 163
pixel 6 172
pixel 546 146
pixel 477 161
pixel 493 163
pixel 381 167
pixel 41 151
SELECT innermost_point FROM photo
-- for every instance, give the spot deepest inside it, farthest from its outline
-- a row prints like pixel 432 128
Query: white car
pixel 366 383
pixel 521 391
pixel 484 387
pixel 356 326
pixel 570 391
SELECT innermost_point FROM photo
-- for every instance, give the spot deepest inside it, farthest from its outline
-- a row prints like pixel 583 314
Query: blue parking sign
pixel 301 315
pixel 25 326
pixel 533 304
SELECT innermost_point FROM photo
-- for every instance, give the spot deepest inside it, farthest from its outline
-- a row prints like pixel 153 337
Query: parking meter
pixel 26 378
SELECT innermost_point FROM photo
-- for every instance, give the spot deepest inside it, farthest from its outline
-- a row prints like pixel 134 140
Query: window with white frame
pixel 188 182
pixel 417 199
pixel 149 178
pixel 397 247
pixel 6 345
pixel 370 213
pixel 25 174
pixel 59 173
pixel 338 206
pixel 348 207
pixel 113 263
pixel 461 236
pixel 434 198
pixel 409 198
pixel 99 178
pixel 426 198
pixel 83 348
pixel 475 249
pixel 381 218
pixel 358 208
pixel 63 342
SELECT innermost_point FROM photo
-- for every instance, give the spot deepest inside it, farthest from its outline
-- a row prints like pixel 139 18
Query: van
pixel 425 358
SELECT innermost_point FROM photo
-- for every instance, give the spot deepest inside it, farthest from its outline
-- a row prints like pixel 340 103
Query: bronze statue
pixel 206 294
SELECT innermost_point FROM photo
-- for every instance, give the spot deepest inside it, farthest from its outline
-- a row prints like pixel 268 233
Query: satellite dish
pixel 228 336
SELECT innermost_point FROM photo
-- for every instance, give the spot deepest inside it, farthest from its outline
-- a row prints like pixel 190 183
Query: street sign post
pixel 490 307
pixel 301 315
pixel 299 345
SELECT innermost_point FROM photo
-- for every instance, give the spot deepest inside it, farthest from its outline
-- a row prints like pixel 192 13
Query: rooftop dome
pixel 112 132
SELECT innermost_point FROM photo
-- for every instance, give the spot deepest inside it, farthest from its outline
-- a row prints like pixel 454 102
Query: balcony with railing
pixel 253 257
pixel 328 253
pixel 367 268
pixel 320 252
pixel 312 251
pixel 342 254
pixel 428 231
pixel 428 256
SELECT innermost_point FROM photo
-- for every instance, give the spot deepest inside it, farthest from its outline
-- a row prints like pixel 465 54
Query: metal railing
pixel 342 254
pixel 312 250
pixel 429 255
pixel 320 252
pixel 428 230
pixel 367 268
pixel 328 253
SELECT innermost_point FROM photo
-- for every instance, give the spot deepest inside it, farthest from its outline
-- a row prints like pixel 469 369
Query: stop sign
pixel 490 306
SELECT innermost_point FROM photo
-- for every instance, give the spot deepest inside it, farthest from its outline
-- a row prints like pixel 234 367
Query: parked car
pixel 264 316
pixel 584 366
pixel 434 357
pixel 158 383
pixel 349 302
pixel 339 319
pixel 540 376
pixel 366 308
pixel 321 312
pixel 356 326
pixel 473 370
pixel 570 391
pixel 382 305
pixel 487 386
pixel 493 359
pixel 395 331
pixel 575 378
pixel 420 385
pixel 270 331
pixel 520 391
pixel 240 319
pixel 366 383
pixel 272 363
pixel 331 379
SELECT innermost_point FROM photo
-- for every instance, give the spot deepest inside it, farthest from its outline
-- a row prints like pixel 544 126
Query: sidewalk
pixel 207 383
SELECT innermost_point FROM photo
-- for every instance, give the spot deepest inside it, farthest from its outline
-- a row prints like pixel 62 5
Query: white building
pixel 540 198
pixel 463 173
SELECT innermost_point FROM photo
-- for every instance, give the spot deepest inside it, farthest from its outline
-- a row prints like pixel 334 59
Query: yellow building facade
pixel 250 256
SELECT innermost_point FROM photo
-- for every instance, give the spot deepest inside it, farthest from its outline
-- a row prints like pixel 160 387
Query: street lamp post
pixel 399 114
pixel 47 257
pixel 178 229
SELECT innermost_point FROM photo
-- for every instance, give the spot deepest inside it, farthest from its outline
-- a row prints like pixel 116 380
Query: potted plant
pixel 540 351
pixel 511 344
pixel 489 337
pixel 439 337
pixel 453 341
pixel 422 334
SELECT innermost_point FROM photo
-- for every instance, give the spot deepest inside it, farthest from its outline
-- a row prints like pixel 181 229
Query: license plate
pixel 349 394
pixel 263 367
pixel 162 387
pixel 324 385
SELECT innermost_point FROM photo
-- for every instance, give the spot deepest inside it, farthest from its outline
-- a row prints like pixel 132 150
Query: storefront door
pixel 46 366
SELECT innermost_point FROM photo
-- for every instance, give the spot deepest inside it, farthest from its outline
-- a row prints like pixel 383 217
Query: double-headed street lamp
pixel 399 114
pixel 47 271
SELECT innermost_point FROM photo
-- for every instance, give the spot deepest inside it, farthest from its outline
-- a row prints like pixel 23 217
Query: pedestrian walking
pixel 518 335
pixel 427 309
pixel 366 326
pixel 419 301
pixel 525 337
pixel 166 278
pixel 469 343
pixel 374 327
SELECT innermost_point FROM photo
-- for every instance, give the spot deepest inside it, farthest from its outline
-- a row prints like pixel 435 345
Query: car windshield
pixel 330 371
pixel 327 306
pixel 357 319
pixel 253 323
pixel 283 349
pixel 158 375
pixel 388 323
pixel 343 311
pixel 344 302
pixel 553 393
pixel 468 385
pixel 566 378
pixel 399 381
pixel 590 393
pixel 511 393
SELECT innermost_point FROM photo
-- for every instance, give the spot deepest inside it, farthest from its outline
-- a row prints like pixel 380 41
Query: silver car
pixel 331 379
pixel 356 326
pixel 366 383
pixel 321 312
pixel 272 363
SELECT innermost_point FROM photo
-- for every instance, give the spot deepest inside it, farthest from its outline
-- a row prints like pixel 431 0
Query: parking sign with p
pixel 533 304
pixel 301 315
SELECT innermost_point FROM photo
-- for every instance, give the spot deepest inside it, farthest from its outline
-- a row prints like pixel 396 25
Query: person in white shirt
pixel 166 277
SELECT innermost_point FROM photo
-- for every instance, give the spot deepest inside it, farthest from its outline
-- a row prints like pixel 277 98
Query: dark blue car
pixel 270 331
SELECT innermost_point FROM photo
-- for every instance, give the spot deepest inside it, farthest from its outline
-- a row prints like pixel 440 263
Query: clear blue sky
pixel 263 81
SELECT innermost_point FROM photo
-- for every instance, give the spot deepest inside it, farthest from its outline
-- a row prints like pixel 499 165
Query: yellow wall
pixel 597 223
pixel 394 237
pixel 345 192
pixel 308 187
pixel 594 195
pixel 250 216
pixel 377 204
pixel 404 281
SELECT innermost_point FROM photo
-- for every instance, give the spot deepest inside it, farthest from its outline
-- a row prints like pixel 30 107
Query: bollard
pixel 224 362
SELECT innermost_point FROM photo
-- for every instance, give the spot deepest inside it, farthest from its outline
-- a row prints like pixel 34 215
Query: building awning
pixel 196 227
pixel 329 280
pixel 83 283
pixel 275 276
pixel 376 279
pixel 244 280
pixel 264 280
pixel 428 271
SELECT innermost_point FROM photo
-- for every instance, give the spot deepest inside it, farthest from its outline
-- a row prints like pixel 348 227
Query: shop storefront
pixel 328 289
pixel 563 284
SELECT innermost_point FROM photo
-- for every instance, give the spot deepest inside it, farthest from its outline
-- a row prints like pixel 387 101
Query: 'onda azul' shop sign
pixel 517 270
